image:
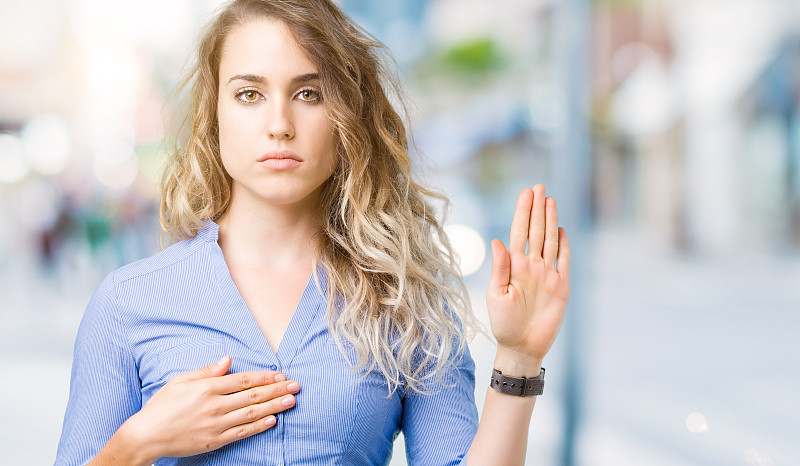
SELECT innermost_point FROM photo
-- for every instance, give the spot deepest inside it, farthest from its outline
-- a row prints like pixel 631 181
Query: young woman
pixel 311 309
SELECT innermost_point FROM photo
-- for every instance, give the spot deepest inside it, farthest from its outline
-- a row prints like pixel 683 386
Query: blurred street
pixel 675 336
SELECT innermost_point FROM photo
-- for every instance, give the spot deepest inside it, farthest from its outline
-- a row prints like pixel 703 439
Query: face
pixel 276 141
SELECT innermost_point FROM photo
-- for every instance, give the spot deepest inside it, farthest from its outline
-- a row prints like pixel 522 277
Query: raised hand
pixel 203 410
pixel 528 291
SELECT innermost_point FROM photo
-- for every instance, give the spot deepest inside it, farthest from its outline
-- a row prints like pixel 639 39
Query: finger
pixel 519 224
pixel 563 254
pixel 537 225
pixel 241 431
pixel 501 267
pixel 253 413
pixel 258 395
pixel 550 233
pixel 216 369
pixel 232 383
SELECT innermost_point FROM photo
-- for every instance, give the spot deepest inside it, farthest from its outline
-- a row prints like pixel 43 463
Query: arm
pixel 439 426
pixel 527 298
pixel 104 389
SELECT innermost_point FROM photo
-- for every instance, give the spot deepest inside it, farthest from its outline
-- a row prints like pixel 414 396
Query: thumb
pixel 212 370
pixel 501 267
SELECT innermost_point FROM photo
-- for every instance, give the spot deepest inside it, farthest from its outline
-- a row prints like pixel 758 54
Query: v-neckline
pixel 247 331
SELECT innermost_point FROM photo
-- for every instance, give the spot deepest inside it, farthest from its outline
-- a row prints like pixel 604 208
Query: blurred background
pixel 667 130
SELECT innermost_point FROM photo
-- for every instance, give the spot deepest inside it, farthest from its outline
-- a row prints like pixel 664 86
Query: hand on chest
pixel 335 404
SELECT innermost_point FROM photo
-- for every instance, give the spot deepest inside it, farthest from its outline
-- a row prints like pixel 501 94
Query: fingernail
pixel 222 361
pixel 287 400
pixel 280 377
pixel 269 420
pixel 294 387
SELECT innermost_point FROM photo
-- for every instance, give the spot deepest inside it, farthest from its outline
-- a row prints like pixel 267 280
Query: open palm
pixel 528 291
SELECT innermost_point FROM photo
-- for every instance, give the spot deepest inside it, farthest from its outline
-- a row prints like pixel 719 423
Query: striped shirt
pixel 179 310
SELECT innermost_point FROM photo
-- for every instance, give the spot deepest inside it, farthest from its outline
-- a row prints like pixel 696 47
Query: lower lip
pixel 280 164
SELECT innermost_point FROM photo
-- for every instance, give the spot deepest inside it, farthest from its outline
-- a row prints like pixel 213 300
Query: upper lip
pixel 280 154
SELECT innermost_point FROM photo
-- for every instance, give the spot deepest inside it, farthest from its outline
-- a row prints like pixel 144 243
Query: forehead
pixel 263 46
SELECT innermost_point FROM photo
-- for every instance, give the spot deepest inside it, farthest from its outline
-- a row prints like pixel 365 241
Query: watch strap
pixel 519 386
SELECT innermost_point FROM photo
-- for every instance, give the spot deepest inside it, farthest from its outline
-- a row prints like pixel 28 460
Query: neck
pixel 275 237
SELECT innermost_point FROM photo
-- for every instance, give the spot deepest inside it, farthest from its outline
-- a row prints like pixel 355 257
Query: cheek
pixel 229 147
pixel 327 142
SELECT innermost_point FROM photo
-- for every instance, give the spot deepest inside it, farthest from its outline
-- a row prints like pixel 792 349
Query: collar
pixel 209 231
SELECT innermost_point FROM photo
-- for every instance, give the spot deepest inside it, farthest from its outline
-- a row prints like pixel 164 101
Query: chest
pixel 271 298
pixel 340 417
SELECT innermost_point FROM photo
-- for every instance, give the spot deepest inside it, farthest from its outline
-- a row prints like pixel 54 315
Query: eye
pixel 309 95
pixel 248 96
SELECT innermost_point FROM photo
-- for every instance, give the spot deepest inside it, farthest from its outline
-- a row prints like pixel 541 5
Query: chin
pixel 289 197
pixel 279 192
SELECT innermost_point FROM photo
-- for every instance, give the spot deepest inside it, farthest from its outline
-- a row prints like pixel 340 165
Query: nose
pixel 279 122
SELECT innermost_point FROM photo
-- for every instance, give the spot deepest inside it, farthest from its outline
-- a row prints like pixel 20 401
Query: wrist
pixel 516 363
pixel 134 445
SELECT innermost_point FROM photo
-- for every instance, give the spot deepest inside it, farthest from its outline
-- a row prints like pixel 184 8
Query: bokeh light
pixel 468 245
pixel 47 143
pixel 696 423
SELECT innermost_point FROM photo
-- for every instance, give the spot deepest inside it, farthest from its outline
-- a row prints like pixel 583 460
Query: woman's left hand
pixel 528 294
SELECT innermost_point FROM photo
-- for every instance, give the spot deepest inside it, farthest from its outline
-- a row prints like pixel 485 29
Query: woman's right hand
pixel 200 411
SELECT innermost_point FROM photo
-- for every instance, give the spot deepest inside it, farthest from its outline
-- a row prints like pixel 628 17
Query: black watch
pixel 519 386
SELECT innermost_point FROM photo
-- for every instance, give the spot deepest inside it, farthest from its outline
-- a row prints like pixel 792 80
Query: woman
pixel 309 311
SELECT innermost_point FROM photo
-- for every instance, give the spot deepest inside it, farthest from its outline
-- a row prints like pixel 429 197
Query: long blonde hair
pixel 394 289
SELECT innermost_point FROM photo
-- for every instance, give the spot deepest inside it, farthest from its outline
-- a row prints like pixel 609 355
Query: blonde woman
pixel 310 309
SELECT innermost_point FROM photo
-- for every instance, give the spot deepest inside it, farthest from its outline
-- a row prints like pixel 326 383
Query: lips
pixel 280 160
pixel 279 155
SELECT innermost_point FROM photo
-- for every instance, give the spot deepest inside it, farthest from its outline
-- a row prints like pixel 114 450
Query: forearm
pixel 125 448
pixel 502 436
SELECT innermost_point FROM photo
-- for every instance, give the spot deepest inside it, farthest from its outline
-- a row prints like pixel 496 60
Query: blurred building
pixel 695 108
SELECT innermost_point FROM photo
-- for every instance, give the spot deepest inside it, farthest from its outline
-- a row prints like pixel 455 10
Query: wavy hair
pixel 394 288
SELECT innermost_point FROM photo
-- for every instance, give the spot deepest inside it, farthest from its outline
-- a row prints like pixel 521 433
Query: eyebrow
pixel 254 78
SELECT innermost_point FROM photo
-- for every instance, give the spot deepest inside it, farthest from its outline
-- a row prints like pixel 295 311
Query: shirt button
pixel 273 367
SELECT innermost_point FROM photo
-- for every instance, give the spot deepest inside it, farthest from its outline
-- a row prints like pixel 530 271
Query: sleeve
pixel 104 386
pixel 439 426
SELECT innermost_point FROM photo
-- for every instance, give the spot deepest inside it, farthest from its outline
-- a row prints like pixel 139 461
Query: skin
pixel 527 298
pixel 269 225
pixel 274 114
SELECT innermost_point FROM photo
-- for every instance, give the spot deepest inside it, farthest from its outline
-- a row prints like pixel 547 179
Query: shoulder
pixel 169 269
pixel 162 285
pixel 168 258
pixel 148 268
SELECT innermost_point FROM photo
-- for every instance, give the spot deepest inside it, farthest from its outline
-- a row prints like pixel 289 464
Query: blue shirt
pixel 180 310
